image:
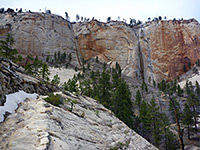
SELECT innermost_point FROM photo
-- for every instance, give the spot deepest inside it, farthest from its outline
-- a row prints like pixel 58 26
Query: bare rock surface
pixel 111 42
pixel 169 45
pixel 40 125
pixel 39 34
pixel 156 49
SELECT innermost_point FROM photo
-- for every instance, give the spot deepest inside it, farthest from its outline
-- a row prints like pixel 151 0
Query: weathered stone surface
pixel 168 45
pixel 39 34
pixel 39 125
pixel 12 79
pixel 155 49
pixel 111 42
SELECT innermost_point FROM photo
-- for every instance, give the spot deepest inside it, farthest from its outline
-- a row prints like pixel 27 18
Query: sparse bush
pixel 53 99
pixel 55 80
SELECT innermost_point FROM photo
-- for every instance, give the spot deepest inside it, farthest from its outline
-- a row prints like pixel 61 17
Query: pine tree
pixel 138 98
pixel 6 47
pixel 115 78
pixel 44 72
pixel 197 88
pixel 56 80
pixel 145 115
pixel 97 59
pixel 104 88
pixel 71 85
pixel 29 69
pixel 193 102
pixel 155 121
pixel 121 103
pixel 187 118
pixel 187 88
pixel 154 83
pixel 86 88
pixel 36 65
pixel 189 65
pixel 171 141
pixel 175 110
pixel 179 90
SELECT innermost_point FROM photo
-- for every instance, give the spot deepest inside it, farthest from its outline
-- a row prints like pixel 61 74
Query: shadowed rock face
pixel 39 34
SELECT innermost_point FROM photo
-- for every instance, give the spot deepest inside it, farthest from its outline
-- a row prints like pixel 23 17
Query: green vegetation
pixel 71 85
pixel 6 48
pixel 44 72
pixel 187 118
pixel 53 99
pixel 121 145
pixel 108 87
pixel 151 121
pixel 138 98
pixel 55 80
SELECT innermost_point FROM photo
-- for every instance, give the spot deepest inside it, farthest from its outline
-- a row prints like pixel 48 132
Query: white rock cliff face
pixel 39 34
pixel 39 125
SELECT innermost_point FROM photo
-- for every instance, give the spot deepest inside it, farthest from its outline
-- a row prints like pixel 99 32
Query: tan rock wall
pixel 111 42
pixel 165 46
pixel 172 44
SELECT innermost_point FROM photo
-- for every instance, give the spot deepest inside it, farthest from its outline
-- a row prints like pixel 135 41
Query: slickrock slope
pixel 39 34
pixel 39 125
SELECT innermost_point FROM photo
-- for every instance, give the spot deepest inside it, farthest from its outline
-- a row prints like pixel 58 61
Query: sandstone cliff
pixel 39 34
pixel 168 45
pixel 111 42
pixel 156 50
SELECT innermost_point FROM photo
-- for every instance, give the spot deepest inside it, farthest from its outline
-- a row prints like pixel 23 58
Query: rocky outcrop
pixel 40 125
pixel 13 79
pixel 39 34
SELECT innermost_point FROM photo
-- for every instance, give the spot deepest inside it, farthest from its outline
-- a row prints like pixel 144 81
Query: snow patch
pixel 12 101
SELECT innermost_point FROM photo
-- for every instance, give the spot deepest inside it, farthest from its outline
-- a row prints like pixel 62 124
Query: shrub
pixel 53 99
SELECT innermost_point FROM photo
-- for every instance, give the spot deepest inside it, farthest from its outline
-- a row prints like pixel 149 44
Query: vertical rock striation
pixel 156 49
pixel 111 42
pixel 171 44
pixel 39 34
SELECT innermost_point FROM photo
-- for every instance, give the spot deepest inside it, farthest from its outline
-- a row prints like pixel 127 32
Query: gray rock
pixel 40 34
pixel 38 125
